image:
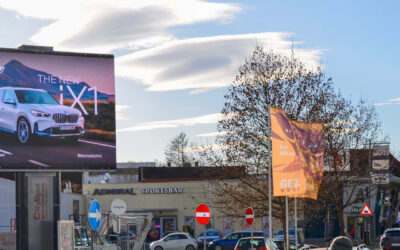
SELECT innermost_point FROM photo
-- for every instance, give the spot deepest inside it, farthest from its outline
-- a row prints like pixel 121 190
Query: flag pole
pixel 270 181
pixel 287 222
pixel 295 220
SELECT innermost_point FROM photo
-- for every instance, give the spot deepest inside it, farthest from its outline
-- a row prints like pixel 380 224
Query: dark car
pixel 280 235
pixel 229 241
pixel 259 243
pixel 390 239
pixel 211 235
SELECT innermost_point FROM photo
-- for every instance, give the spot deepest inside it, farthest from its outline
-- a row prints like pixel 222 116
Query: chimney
pixel 196 164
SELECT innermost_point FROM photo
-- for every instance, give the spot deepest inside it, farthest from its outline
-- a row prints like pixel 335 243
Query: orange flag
pixel 297 156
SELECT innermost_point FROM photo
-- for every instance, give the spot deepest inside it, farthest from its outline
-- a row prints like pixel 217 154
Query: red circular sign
pixel 203 214
pixel 249 216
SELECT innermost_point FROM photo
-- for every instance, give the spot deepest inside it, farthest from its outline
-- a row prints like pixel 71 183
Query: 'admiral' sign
pixel 114 191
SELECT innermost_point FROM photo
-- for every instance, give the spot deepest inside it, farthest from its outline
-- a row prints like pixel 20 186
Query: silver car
pixel 26 112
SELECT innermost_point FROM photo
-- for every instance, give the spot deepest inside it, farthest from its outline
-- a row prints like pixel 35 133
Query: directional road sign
pixel 249 216
pixel 94 215
pixel 203 214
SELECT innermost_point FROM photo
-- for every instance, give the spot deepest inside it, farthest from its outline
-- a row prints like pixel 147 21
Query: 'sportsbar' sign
pixel 60 107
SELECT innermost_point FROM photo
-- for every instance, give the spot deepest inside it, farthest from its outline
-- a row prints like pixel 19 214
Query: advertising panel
pixel 380 150
pixel 65 234
pixel 380 164
pixel 57 110
pixel 40 211
pixel 297 156
pixel 380 179
pixel 228 225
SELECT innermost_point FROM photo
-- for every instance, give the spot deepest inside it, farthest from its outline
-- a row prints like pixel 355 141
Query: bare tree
pixel 268 79
pixel 176 152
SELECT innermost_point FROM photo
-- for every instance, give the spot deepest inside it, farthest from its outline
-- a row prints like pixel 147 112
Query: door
pixel 168 224
pixel 173 242
pixel 231 241
pixel 8 111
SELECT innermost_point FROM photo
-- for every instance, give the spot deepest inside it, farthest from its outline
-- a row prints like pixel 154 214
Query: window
pixel 35 97
pixel 392 233
pixel 234 236
pixel 173 237
pixel 8 96
pixel 182 237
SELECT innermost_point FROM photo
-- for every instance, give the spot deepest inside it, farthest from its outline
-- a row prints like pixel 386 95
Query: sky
pixel 174 59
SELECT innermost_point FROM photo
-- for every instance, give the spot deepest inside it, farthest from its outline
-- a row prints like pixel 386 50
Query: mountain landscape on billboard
pixel 16 74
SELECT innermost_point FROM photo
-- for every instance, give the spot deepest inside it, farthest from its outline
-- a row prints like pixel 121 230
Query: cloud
pixel 388 102
pixel 203 63
pixel 382 103
pixel 394 100
pixel 120 112
pixel 186 122
pixel 106 25
pixel 213 134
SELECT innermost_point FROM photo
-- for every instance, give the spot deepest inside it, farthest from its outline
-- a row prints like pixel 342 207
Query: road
pixel 55 153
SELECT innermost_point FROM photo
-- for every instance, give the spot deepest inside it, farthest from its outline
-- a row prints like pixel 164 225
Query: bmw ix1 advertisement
pixel 57 110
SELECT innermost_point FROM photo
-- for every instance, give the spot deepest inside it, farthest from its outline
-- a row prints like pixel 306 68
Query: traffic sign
pixel 94 215
pixel 203 214
pixel 249 216
pixel 366 210
pixel 118 206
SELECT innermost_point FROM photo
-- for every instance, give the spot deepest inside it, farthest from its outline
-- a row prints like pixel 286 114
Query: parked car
pixel 229 241
pixel 259 243
pixel 26 112
pixel 390 239
pixel 175 241
pixel 167 233
pixel 307 247
pixel 280 243
pixel 280 235
pixel 112 238
pixel 211 235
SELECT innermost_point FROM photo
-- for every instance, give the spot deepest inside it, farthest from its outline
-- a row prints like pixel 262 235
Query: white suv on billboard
pixel 26 112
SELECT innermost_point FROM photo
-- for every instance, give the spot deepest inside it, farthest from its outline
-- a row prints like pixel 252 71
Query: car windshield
pixel 210 233
pixel 35 97
pixel 246 244
pixel 392 233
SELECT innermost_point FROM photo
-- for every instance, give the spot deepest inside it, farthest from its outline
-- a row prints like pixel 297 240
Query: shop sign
pixel 355 210
pixel 380 164
pixel 105 191
pixel 178 190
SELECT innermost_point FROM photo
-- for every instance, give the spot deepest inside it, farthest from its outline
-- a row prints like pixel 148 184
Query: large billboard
pixel 57 110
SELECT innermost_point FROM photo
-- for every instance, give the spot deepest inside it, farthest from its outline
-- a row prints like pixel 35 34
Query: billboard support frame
pixel 22 207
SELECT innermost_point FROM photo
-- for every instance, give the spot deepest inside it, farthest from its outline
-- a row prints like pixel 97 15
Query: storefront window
pixel 188 226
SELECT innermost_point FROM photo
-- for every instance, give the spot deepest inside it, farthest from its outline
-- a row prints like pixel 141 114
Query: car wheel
pixel 190 247
pixel 23 131
pixel 218 247
pixel 158 248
